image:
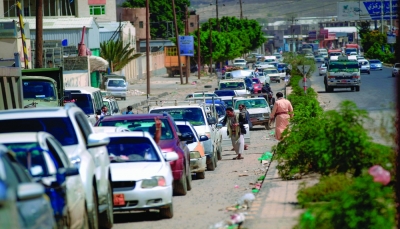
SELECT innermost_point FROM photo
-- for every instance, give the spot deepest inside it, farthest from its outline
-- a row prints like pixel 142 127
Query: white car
pixel 109 129
pixel 43 147
pixel 141 173
pixel 112 106
pixel 322 69
pixel 197 155
pixel 200 95
pixel 240 63
pixel 85 149
pixel 273 74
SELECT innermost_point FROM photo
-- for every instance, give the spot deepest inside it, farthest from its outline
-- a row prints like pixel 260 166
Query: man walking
pixel 236 131
pixel 246 115
pixel 280 113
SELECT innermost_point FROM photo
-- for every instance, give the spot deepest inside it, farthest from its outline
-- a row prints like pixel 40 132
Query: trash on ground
pixel 246 199
pixel 243 175
pixel 265 157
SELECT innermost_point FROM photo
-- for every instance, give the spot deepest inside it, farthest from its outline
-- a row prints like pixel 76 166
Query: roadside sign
pixel 303 68
pixel 186 44
pixel 391 38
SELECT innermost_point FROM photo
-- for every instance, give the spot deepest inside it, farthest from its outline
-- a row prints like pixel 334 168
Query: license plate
pixel 344 81
pixel 119 199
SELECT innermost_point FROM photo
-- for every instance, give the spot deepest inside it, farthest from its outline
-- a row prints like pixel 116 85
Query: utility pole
pixel 178 50
pixel 39 35
pixel 241 11
pixel 391 17
pixel 198 48
pixel 147 48
pixel 209 25
pixel 22 26
pixel 187 33
pixel 291 33
pixel 219 30
pixel 382 6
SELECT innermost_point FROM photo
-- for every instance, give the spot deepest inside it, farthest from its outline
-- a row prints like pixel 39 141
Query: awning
pixel 98 64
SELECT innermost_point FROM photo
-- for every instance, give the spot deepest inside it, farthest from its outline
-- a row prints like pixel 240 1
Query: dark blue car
pixel 281 67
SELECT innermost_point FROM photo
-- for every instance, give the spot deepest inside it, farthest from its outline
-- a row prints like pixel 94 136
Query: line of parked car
pixel 68 167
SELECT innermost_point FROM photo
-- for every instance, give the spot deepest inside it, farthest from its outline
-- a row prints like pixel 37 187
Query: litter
pixel 243 175
pixel 246 199
pixel 265 157
pixel 236 186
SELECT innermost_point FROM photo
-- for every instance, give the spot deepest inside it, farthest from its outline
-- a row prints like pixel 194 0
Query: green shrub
pixel 323 190
pixel 363 204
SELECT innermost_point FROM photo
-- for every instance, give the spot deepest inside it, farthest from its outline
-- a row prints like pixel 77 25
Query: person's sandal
pixel 237 158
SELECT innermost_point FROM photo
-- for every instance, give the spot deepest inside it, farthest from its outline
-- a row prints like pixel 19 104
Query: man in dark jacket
pixel 235 124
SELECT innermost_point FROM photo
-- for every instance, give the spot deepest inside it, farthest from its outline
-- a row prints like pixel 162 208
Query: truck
pixel 171 61
pixel 351 48
pixel 342 73
pixel 309 48
pixel 42 87
pixel 28 88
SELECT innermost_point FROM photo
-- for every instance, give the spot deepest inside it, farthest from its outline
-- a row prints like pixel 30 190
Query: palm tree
pixel 117 54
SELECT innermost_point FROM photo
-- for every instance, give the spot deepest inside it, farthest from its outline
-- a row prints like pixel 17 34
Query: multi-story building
pixel 101 10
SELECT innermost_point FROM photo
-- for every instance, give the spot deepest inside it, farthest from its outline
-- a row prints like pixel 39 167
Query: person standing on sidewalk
pixel 246 115
pixel 235 130
pixel 128 110
pixel 281 113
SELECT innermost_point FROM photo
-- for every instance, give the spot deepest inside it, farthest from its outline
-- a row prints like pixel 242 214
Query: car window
pixel 131 149
pixel 193 115
pixel 19 170
pixel 84 126
pixel 83 101
pixel 61 128
pixel 252 103
pixel 11 177
pixel 186 129
pixel 147 125
pixel 58 152
pixel 225 93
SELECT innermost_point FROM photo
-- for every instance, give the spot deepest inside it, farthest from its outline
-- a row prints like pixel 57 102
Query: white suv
pixel 85 149
pixel 197 116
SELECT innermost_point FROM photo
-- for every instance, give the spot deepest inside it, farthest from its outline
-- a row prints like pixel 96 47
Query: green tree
pixel 117 54
pixel 161 12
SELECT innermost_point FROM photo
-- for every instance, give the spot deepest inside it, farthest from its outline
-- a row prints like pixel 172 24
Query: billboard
pixel 312 34
pixel 365 10
pixel 186 45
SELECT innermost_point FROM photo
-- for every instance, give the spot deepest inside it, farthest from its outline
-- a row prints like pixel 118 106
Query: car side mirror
pixel 219 125
pixel 170 156
pixel 211 120
pixel 26 191
pixel 203 138
pixel 97 139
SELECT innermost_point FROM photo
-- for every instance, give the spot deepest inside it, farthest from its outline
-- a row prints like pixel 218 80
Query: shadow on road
pixel 130 217
pixel 342 91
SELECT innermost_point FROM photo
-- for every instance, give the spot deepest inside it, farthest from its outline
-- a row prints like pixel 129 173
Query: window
pixel 193 115
pixel 191 24
pixel 140 24
pixel 97 10
pixel 131 149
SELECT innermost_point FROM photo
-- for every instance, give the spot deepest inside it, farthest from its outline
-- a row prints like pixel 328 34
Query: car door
pixel 75 190
pixel 34 213
pixel 99 154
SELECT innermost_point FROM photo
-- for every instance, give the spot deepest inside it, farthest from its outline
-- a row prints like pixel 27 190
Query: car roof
pixel 134 116
pixel 83 90
pixel 109 129
pixel 130 134
pixel 50 112
pixel 19 137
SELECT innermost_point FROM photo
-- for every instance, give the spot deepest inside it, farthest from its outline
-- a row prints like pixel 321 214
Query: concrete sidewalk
pixel 275 204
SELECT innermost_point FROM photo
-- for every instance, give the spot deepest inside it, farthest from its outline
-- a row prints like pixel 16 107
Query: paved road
pixel 205 204
pixel 377 91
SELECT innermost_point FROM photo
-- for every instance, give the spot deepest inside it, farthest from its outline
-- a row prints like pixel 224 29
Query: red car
pixel 257 85
pixel 171 140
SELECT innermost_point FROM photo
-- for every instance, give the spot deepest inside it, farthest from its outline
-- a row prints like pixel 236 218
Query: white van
pixel 89 99
pixel 117 87
pixel 268 59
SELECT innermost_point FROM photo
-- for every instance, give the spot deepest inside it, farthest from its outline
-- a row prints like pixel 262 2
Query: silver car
pixel 23 203
pixel 322 69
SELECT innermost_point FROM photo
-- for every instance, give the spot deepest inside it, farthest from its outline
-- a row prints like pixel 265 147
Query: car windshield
pixel 186 129
pixel 281 65
pixel 132 149
pixel 225 93
pixel 192 114
pixel 270 71
pixel 335 54
pixel 364 62
pixel 40 163
pixel 61 128
pixel 116 83
pixel 397 65
pixel 228 102
pixel 232 85
pixel 252 103
pixel 268 60
pixel 83 101
pixel 38 89
pixel 147 125
pixel 240 61
pixel 256 80
pixel 374 61
pixel 343 66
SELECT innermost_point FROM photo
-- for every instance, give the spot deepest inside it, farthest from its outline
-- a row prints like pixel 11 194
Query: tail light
pixel 356 77
pixel 331 77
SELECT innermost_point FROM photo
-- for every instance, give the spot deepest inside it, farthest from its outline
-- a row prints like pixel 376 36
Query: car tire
pixel 369 73
pixel 106 218
pixel 167 212
pixel 201 175
pixel 357 88
pixel 268 125
pixel 189 181
pixel 211 166
pixel 94 215
pixel 216 159
pixel 219 152
pixel 180 187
